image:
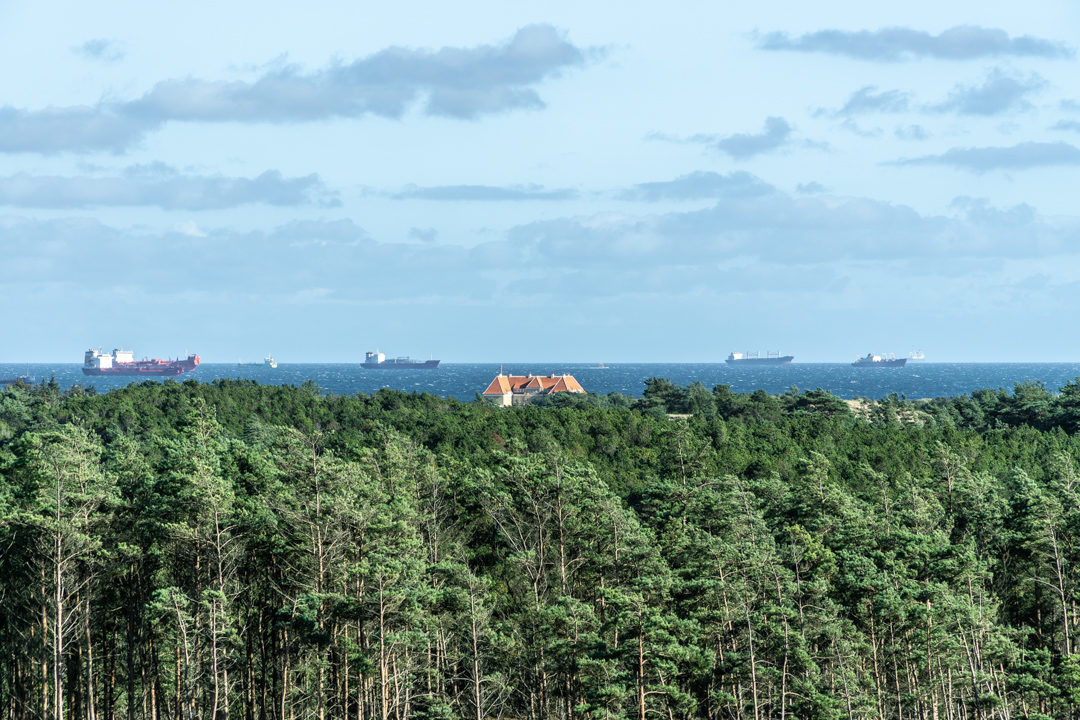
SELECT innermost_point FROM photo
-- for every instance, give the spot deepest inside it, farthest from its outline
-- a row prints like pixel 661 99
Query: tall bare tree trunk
pixel 753 660
pixel 58 612
pixel 641 667
pixel 45 645
pixel 91 709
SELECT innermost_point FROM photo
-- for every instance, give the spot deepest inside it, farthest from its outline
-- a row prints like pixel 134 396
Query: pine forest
pixel 232 551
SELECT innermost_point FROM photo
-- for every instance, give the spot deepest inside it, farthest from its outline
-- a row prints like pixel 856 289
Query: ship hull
pixel 783 360
pixel 391 365
pixel 899 362
pixel 170 369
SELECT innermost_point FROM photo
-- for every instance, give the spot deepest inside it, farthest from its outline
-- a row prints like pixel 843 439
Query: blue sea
pixel 465 380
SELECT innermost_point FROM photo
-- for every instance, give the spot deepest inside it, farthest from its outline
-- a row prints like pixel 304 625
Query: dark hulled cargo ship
pixel 123 362
pixel 378 361
pixel 872 360
pixel 738 358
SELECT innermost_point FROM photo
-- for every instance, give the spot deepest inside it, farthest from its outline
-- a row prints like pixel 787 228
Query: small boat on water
pixel 269 361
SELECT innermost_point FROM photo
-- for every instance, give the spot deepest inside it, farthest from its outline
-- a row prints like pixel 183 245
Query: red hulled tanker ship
pixel 123 362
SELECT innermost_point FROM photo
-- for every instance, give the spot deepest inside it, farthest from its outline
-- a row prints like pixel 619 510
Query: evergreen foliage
pixel 187 551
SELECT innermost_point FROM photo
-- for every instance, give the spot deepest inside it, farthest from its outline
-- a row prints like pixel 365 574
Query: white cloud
pixel 463 83
pixel 190 229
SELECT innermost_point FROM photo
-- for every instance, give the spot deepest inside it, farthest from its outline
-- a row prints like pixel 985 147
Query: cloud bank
pixel 1023 156
pixel 586 257
pixel 791 263
pixel 78 129
pixel 894 44
pixel 162 186
pixel 462 83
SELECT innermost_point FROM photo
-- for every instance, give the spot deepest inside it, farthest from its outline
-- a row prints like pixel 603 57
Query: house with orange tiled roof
pixel 507 390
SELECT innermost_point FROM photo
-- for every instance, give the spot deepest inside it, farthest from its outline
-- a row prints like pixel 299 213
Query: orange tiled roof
pixel 568 383
pixel 503 384
pixel 498 386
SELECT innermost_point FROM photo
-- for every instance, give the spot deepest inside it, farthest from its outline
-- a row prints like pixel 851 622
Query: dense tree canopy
pixel 227 550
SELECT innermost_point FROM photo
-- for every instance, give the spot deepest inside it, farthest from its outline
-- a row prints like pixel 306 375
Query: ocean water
pixel 464 380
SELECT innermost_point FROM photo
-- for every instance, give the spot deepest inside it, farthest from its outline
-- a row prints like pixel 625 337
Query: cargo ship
pixel 378 361
pixel 872 360
pixel 737 358
pixel 123 362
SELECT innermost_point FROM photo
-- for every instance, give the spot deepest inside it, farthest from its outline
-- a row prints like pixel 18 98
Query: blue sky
pixel 558 182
